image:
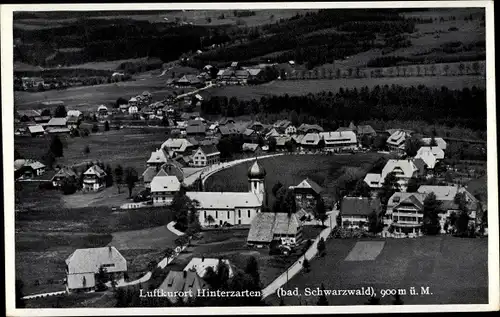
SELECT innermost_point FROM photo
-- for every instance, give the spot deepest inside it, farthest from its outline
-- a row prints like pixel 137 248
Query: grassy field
pixel 127 147
pixel 454 269
pixel 303 87
pixel 291 170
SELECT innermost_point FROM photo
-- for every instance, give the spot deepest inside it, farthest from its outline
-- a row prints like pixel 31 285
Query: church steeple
pixel 256 175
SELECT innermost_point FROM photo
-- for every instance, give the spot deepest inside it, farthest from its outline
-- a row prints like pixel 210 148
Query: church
pixel 234 208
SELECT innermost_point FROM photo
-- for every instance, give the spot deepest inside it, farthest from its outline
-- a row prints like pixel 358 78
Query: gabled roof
pixel 90 260
pixel 344 129
pixel 309 184
pixel 179 145
pixel 36 129
pixel 427 157
pixel 361 206
pixel 194 122
pixel 248 132
pixel 439 141
pixel 414 199
pixel 102 107
pixel 149 174
pixel 435 150
pixel 57 122
pixel 73 113
pixel 282 139
pixel 165 184
pixel 298 138
pixel 398 138
pixel 225 200
pixel 304 128
pixel 266 224
pixel 310 139
pixel 200 265
pixel 333 138
pixel 445 192
pixel 196 129
pixel 182 281
pixel 65 172
pixel 254 71
pixel 365 129
pixel 249 147
pixel 373 180
pixel 406 166
pixel 173 168
pixel 19 163
pixel 209 149
pixel 28 113
pixel 272 133
pixel 399 197
pixel 157 156
pixel 95 170
pixel 190 79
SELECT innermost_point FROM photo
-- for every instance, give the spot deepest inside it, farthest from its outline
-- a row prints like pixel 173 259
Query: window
pixel 249 213
pixel 239 222
pixel 396 199
pixel 228 214
pixel 205 212
pixel 239 213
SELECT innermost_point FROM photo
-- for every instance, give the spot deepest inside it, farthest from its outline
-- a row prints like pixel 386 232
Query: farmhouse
pixel 405 213
pixel 281 141
pixel 157 159
pixel 133 109
pixel 56 123
pixel 189 80
pixel 163 188
pixel 206 155
pixel 282 124
pixel 446 194
pixel 309 128
pixel 435 150
pixel 338 141
pixel 83 265
pixel 61 175
pixel 102 111
pixel 269 226
pixel 176 146
pixel 200 266
pixel 43 120
pixel 362 130
pixel 355 211
pixel 28 168
pixel 27 115
pixel 94 179
pixel 306 194
pixel 36 130
pixel 310 141
pixel 182 282
pixel 403 170
pixel 234 208
pixel 273 133
pixel 166 169
pixel 428 158
pixel 196 130
pixel 439 142
pixel 397 140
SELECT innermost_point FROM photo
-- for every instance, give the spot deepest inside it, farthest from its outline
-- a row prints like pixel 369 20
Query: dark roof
pixel 65 172
pixel 209 149
pixel 173 168
pixel 366 129
pixel 195 129
pixel 359 206
pixel 420 164
pixel 266 224
pixel 72 120
pixel 194 122
pixel 182 281
pixel 149 174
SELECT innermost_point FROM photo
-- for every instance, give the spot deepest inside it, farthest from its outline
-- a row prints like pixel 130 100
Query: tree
pixel 306 265
pixel 433 69
pixel 120 101
pixel 164 121
pixel 321 247
pixel 252 269
pixel 69 186
pixel 109 176
pixel 432 207
pixel 475 67
pixel 131 177
pixel 379 142
pixel 320 211
pixel 294 118
pixel 389 187
pixel 56 146
pixel 362 189
pixel 272 144
pixel 413 185
pixel 322 300
pixel 290 146
pixel 446 68
pixel 412 146
pixel 462 221
pixel 461 68
pixel 106 126
pixel 375 224
pixel 210 220
pixel 46 112
pixel 276 187
pixel 20 303
pixel 101 279
pixel 119 176
pixel 95 128
pixel 86 149
pixel 49 159
pixel 60 112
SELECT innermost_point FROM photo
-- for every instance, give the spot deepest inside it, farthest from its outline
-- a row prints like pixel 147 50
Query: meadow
pixel 304 87
pixel 454 269
pixel 291 170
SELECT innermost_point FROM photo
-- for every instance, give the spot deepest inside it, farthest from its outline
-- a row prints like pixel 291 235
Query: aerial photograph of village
pixel 267 157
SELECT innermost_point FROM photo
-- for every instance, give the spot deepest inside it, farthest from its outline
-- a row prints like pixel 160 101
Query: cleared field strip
pixel 365 251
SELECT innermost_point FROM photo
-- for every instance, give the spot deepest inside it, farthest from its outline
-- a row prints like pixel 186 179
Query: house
pixel 189 80
pixel 227 120
pixel 102 111
pixel 405 213
pixel 255 74
pixel 234 208
pixel 306 194
pixel 200 266
pixel 249 147
pixel 28 168
pixel 74 113
pixel 428 158
pixel 273 133
pixel 435 150
pixel 124 107
pixel 397 140
pixel 206 155
pixel 56 123
pixel 290 129
pixel 281 141
pixel 310 141
pixel 163 188
pixel 267 227
pixel 43 120
pixel 403 170
pixel 362 130
pixel 440 142
pixel 446 195
pixel 242 76
pixel 83 265
pixel 196 130
pixel 182 282
pixel 157 159
pixel 355 211
pixel 58 130
pixel 133 109
pixel 36 130
pixel 309 128
pixel 61 175
pixel 94 179
pixel 148 175
pixel 27 115
pixel 32 82
pixel 73 122
pixel 176 146
pixel 338 141
pixel 227 130
pixel 256 126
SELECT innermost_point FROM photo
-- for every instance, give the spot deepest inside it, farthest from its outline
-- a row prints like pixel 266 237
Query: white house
pixel 94 179
pixel 355 211
pixel 310 141
pixel 163 188
pixel 405 213
pixel 402 169
pixel 440 142
pixel 176 146
pixel 200 265
pixel 428 158
pixel 133 109
pixel 83 265
pixel 291 129
pixel 435 150
pixel 235 208
pixel 338 141
pixel 397 140
pixel 206 155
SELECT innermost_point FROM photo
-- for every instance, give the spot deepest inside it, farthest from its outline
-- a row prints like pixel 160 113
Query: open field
pixel 290 170
pixel 454 269
pixel 303 87
pixel 127 147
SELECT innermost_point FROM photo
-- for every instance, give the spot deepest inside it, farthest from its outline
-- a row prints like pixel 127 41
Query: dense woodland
pixel 434 106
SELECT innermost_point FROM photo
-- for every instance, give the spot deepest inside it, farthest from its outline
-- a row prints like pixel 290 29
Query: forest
pixel 452 108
